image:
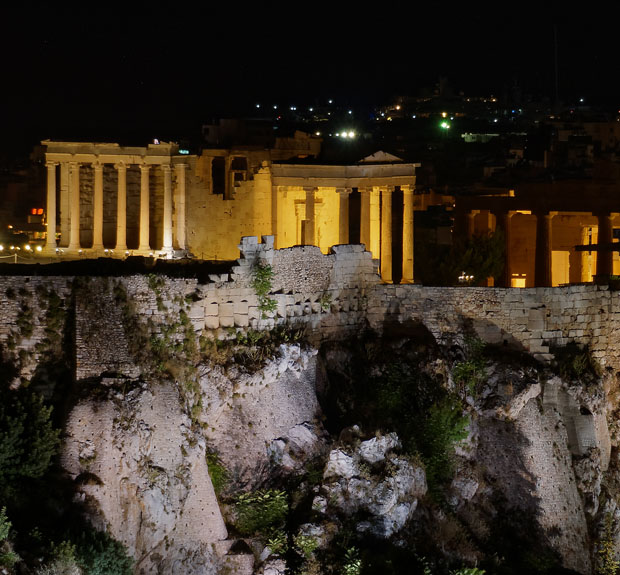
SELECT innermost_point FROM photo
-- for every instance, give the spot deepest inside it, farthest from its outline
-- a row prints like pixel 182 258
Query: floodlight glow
pixel 445 125
pixel 351 134
pixel 39 249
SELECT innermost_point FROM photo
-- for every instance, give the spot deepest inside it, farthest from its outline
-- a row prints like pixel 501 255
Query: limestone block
pixel 227 321
pixel 227 309
pixel 240 307
pixel 241 320
pixel 211 309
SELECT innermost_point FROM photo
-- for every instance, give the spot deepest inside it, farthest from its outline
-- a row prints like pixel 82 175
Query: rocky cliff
pixel 416 440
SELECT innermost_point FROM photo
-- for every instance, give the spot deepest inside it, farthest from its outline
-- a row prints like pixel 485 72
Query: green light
pixel 445 125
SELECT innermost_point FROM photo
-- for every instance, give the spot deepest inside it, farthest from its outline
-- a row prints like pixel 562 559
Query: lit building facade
pixel 106 199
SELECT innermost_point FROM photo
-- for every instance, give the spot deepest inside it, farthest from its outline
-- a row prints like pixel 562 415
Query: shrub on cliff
pixel 28 440
pixel 99 554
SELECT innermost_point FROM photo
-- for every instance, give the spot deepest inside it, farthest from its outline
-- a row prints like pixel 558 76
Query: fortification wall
pixel 336 296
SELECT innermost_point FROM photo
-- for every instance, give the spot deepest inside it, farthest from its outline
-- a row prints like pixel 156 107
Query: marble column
pixel 179 170
pixel 144 240
pixel 343 219
pixel 50 243
pixel 542 270
pixel 471 223
pixel 98 207
pixel 374 231
pixel 74 202
pixel 167 238
pixel 386 235
pixel 65 205
pixel 408 231
pixel 605 257
pixel 121 208
pixel 503 221
pixel 308 238
pixel 365 217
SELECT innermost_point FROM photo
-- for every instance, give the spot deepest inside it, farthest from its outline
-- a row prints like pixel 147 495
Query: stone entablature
pixel 356 176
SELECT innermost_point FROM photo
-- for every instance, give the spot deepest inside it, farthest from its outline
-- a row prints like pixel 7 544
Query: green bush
pixel 575 362
pixel 217 472
pixel 262 282
pixel 469 375
pixel 27 439
pixel 99 554
pixel 5 525
pixel 607 562
pixel 261 512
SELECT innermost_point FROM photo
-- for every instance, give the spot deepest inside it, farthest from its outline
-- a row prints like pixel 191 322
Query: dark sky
pixel 105 69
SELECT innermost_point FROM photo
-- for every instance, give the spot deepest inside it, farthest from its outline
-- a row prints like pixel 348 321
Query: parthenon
pixel 156 201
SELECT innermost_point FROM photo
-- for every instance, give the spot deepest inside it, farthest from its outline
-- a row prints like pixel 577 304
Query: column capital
pixel 121 165
pixel 50 164
pixel 144 167
pixel 344 191
pixel 97 165
pixel 180 167
pixel 166 167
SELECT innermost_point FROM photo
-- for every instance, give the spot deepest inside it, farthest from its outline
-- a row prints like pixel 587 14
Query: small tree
pixel 28 440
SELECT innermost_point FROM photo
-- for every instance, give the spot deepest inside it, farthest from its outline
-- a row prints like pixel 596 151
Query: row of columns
pixel 121 210
pixel 544 243
pixel 375 225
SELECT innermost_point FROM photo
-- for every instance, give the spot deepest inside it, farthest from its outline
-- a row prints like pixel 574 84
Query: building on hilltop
pixel 106 199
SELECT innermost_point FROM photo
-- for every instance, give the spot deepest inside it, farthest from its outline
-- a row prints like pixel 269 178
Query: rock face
pixel 143 474
pixel 140 462
pixel 267 417
pixel 389 495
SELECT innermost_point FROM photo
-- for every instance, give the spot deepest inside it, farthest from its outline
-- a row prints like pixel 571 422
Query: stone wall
pixel 334 296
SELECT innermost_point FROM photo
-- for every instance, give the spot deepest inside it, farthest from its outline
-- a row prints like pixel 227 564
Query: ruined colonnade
pixel 71 160
pixel 465 225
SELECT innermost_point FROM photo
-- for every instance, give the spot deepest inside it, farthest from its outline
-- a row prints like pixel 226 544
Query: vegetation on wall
pixel 262 284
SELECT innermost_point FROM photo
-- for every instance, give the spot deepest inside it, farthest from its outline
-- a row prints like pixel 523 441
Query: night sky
pixel 133 71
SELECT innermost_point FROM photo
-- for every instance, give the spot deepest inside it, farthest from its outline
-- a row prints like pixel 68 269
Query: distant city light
pixel 293 108
pixel 258 105
pixel 413 116
pixel 581 100
pixel 350 111
pixel 444 114
pixel 1 248
pixel 398 107
pixel 184 151
pixel 39 248
pixel 495 120
pixel 317 133
pixel 27 247
pixel 445 125
pixel 330 101
pixel 156 141
pixel 311 109
pixel 275 107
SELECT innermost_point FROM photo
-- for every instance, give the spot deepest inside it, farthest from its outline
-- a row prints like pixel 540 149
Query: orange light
pixel 33 211
pixel 40 211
